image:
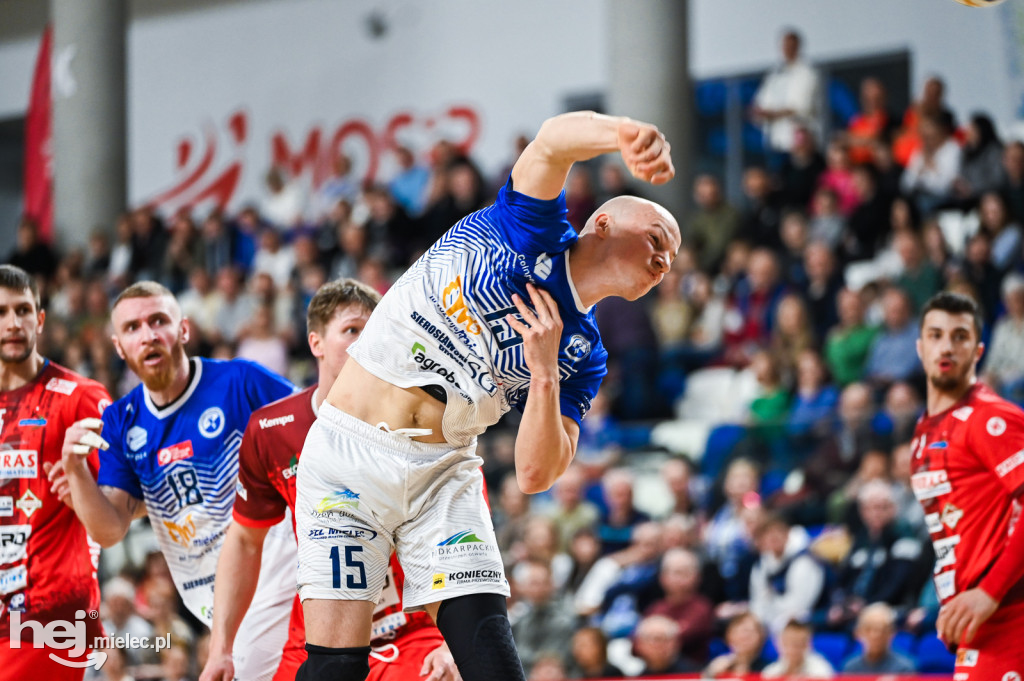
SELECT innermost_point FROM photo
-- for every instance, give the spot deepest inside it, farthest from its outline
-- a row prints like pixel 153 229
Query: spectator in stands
pixel 274 258
pixel 260 342
pixel 875 629
pixel 936 248
pixel 838 177
pixel 1013 181
pixel 115 667
pixel 768 411
pixel 590 655
pixel 619 517
pixel 390 233
pixel 815 401
pixel 585 551
pixel 353 250
pixel 343 186
pixel 657 644
pixel 919 277
pixel 510 519
pixel 866 226
pixel 217 243
pixel 795 234
pixel 759 224
pixel 540 622
pixel 982 169
pixel 679 578
pixel 933 169
pixel 184 251
pixel 931 103
pixel 893 355
pixel 459 190
pixel 726 538
pixel 786 581
pixel 842 503
pixel 744 636
pixel 800 170
pixel 120 618
pixel 705 333
pixel 571 511
pixel 884 562
pixel 548 667
pixel 900 410
pixel 30 252
pixel 97 258
pixel 234 307
pixel 245 236
pixel 122 254
pixel 751 309
pixel 848 343
pixel 198 302
pixel 788 97
pixel 678 477
pixel 283 203
pixel 792 333
pixel 541 545
pixel 174 663
pixel 796 657
pixel 828 222
pixel 671 315
pixel 1005 233
pixel 977 270
pixel 872 124
pixel 908 508
pixel 713 224
pixel 1004 361
pixel 621 585
pixel 824 280
pixel 613 180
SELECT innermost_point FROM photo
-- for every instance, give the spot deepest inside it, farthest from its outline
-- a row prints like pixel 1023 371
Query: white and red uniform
pixel 968 474
pixel 268 461
pixel 47 563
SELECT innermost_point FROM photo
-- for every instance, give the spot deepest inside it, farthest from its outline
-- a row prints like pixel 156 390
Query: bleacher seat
pixel 933 657
pixel 834 646
pixel 720 444
pixel 905 643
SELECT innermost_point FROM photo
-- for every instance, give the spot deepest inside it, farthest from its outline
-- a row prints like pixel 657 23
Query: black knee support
pixel 477 631
pixel 334 664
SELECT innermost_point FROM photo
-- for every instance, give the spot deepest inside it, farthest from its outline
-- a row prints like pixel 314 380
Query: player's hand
pixel 59 484
pixel 541 329
pixel 438 665
pixel 79 441
pixel 218 668
pixel 645 152
pixel 960 618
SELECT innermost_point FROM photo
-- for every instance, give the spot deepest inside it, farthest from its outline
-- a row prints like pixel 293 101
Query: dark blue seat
pixel 722 440
pixel 834 647
pixel 933 657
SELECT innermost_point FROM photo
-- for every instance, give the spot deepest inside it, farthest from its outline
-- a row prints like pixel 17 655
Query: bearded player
pixel 406 645
pixel 968 474
pixel 47 568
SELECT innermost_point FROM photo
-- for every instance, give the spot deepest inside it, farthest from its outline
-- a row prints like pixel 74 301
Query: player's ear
pixel 117 346
pixel 603 224
pixel 980 351
pixel 186 330
pixel 40 320
pixel 316 345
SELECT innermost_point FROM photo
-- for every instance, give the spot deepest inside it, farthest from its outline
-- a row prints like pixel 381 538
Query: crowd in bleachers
pixel 771 381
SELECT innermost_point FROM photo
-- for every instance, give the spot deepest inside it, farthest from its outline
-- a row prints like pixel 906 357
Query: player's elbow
pixel 534 479
pixel 106 538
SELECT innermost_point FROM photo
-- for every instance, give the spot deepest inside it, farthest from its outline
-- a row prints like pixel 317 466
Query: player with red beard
pixel 47 567
pixel 968 474
pixel 406 645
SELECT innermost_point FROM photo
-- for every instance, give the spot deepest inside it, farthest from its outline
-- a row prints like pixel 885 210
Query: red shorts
pixel 27 662
pixel 399 660
pixel 995 653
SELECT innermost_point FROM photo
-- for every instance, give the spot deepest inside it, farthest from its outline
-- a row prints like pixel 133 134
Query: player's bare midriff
pixel 368 398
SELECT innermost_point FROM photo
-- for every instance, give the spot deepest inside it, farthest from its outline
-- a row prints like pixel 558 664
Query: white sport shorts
pixel 362 492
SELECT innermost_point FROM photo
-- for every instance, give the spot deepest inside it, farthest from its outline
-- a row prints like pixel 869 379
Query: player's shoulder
pixel 985 408
pixel 60 379
pixel 236 368
pixel 294 407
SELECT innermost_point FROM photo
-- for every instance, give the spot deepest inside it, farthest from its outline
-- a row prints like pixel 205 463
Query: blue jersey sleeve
pixel 115 469
pixel 532 225
pixel 260 385
pixel 577 391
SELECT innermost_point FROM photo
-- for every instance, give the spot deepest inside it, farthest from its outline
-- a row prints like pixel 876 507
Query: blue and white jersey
pixel 182 460
pixel 443 322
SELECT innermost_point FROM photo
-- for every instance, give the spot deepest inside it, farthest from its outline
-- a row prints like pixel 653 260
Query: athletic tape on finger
pixel 82 450
pixel 91 423
pixel 93 440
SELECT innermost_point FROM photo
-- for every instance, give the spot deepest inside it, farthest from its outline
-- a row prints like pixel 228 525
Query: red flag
pixel 38 153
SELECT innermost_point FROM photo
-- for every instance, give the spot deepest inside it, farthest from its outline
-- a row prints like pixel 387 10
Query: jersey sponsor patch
pixel 29 503
pixel 1011 462
pixel 945 585
pixel 137 438
pixel 967 657
pixel 933 522
pixel 945 551
pixel 32 423
pixel 542 266
pixel 14 543
pixel 277 421
pixel 930 484
pixel 951 515
pixel 211 422
pixel 996 426
pixel 19 463
pixel 241 491
pixel 14 579
pixel 963 413
pixel 175 452
pixel 6 507
pixel 61 385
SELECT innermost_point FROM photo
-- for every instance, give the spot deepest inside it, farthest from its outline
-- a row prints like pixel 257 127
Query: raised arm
pixel 544 165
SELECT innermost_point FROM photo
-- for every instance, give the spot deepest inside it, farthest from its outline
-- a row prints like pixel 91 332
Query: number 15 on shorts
pixel 351 581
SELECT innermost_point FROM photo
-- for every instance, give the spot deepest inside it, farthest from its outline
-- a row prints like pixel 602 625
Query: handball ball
pixel 980 3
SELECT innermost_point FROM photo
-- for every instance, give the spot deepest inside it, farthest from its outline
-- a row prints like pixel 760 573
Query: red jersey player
pixel 407 645
pixel 47 568
pixel 968 474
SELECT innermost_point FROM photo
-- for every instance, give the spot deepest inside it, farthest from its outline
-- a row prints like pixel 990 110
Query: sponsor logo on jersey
pixel 137 438
pixel 388 624
pixel 183 533
pixel 966 657
pixel 933 522
pixel 176 452
pixel 32 423
pixel 62 386
pixel 466 537
pixel 14 542
pixel 945 584
pixel 277 421
pixel 348 531
pixel 102 404
pixel 18 463
pixel 577 348
pixel 241 491
pixel 293 468
pixel 941 444
pixel 930 484
pixel 542 266
pixel 335 500
pixel 211 422
pixel 202 581
pixel 474 577
pixel 6 506
pixel 18 603
pixel 1011 676
pixel 963 413
pixel 455 307
pixel 28 503
pixel 1011 462
pixel 951 515
pixel 945 551
pixel 14 579
pixel 996 426
pixel 437 582
pixel 461 544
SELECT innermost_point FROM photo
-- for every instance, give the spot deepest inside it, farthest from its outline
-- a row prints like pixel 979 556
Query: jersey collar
pixel 169 409
pixel 572 287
